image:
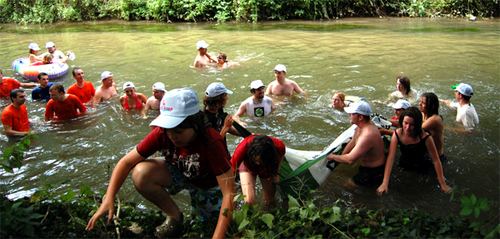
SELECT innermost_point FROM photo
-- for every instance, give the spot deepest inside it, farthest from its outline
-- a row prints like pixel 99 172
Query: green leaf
pixel 482 203
pixel 473 199
pixel 35 216
pixel 85 190
pixel 293 204
pixel 476 212
pixel 465 200
pixel 70 195
pixel 243 224
pixel 366 231
pixel 467 210
pixel 16 205
pixel 239 197
pixel 268 219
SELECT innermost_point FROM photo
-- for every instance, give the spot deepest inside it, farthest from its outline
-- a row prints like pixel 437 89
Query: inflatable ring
pixel 24 69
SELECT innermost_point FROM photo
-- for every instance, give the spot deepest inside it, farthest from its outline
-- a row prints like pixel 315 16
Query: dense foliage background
pixel 48 11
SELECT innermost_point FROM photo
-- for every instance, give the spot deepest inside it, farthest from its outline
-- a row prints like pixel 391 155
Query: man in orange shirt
pixel 84 90
pixel 63 106
pixel 8 84
pixel 15 117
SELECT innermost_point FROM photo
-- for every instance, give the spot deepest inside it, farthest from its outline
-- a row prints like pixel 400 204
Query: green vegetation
pixel 55 214
pixel 48 11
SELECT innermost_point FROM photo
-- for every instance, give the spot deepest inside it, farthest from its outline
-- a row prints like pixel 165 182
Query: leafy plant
pixel 13 156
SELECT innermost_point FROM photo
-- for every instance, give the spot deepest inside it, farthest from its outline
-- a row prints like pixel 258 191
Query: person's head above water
pixel 216 96
pixel 411 122
pixel 403 84
pixel 175 106
pixel 262 152
pixel 464 89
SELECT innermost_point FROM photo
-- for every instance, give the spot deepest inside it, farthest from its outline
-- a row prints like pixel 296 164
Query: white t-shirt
pixel 258 109
pixel 466 115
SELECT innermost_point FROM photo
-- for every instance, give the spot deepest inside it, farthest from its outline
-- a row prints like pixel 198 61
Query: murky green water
pixel 357 56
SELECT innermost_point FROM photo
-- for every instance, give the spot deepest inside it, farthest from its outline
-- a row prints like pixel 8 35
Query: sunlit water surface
pixel 322 57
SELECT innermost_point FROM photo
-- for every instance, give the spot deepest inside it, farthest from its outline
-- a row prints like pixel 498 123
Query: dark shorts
pixel 369 176
pixel 423 166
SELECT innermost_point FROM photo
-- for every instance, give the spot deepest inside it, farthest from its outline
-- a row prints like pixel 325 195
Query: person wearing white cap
pixel 466 112
pixel 418 151
pixel 399 107
pixel 257 105
pixel 194 158
pixel 203 58
pixel 82 89
pixel 366 146
pixel 57 55
pixel 432 121
pixel 215 100
pixel 34 52
pixel 107 89
pixel 153 102
pixel 283 86
pixel 131 99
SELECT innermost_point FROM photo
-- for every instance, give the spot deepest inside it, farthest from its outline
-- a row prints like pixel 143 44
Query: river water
pixel 357 56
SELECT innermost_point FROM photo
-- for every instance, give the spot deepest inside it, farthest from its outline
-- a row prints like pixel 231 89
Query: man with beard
pixel 283 86
pixel 57 55
pixel 203 58
pixel 257 105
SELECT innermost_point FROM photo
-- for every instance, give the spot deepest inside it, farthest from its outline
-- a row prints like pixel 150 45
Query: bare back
pixel 370 141
pixel 435 126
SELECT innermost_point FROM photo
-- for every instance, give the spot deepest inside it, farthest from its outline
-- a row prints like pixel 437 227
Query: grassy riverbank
pixel 48 11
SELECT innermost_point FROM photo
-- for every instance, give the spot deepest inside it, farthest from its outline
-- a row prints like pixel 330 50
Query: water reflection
pixel 363 61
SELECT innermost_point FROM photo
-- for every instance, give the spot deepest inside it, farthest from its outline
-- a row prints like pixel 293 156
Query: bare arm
pixel 10 132
pixel 360 149
pixel 446 102
pixel 122 100
pixel 228 123
pixel 431 147
pixel 146 108
pixel 29 85
pixel 241 111
pixel 269 89
pixel 273 106
pixel 384 187
pixel 228 188
pixel 120 173
pixel 299 90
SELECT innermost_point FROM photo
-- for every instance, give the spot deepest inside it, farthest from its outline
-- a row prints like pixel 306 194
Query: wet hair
pixel 405 82
pixel 416 115
pixel 31 51
pixel 340 94
pixel 264 147
pixel 75 69
pixel 367 118
pixel 13 93
pixel 47 58
pixel 223 56
pixel 1 71
pixel 41 74
pixel 466 98
pixel 57 87
pixel 213 102
pixel 431 104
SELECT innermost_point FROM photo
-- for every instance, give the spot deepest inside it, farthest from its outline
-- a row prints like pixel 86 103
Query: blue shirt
pixel 40 93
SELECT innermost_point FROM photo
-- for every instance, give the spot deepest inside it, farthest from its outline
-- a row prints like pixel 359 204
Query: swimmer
pixel 404 91
pixel 132 100
pixel 366 146
pixel 215 100
pixel 15 116
pixel 8 84
pixel 432 121
pixel 257 105
pixel 63 106
pixel 41 92
pixel 47 59
pixel 203 58
pixel 399 107
pixel 466 112
pixel 83 89
pixel 283 86
pixel 418 151
pixel 153 102
pixel 57 55
pixel 222 61
pixel 339 102
pixel 107 89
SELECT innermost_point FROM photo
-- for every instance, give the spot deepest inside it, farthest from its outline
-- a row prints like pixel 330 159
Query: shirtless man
pixel 257 105
pixel 283 86
pixel 154 101
pixel 203 58
pixel 432 121
pixel 57 55
pixel 366 146
pixel 107 89
pixel 84 90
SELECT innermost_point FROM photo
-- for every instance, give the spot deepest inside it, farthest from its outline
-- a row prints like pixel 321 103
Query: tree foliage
pixel 48 11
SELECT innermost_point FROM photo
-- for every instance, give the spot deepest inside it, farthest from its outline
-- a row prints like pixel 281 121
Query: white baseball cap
pixel 49 44
pixel 201 44
pixel 280 67
pixel 128 84
pixel 464 89
pixel 256 84
pixel 216 89
pixel 106 74
pixel 401 104
pixel 159 86
pixel 34 46
pixel 359 107
pixel 175 106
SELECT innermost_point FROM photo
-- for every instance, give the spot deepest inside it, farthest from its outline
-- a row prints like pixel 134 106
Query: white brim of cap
pixel 229 92
pixel 167 122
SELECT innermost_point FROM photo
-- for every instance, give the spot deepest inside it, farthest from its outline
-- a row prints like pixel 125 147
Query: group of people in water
pixel 194 149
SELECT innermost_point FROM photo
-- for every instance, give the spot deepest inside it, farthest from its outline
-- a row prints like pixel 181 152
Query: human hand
pixel 106 207
pixel 228 122
pixel 383 188
pixel 446 188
